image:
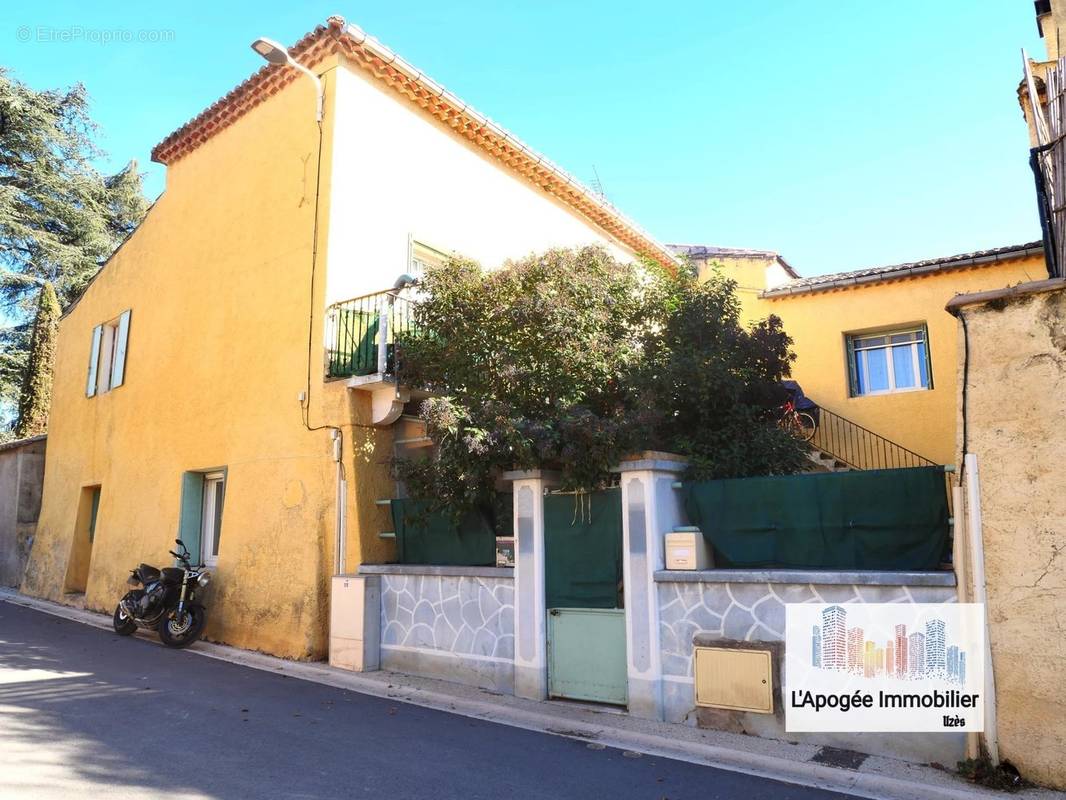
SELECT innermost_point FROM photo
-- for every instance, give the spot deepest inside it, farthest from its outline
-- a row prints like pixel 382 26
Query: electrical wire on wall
pixel 965 386
pixel 305 409
pixel 305 406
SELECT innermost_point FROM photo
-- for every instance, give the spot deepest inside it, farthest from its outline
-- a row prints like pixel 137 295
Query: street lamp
pixel 277 55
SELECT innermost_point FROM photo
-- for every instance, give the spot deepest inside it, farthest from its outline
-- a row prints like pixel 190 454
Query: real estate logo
pixel 884 667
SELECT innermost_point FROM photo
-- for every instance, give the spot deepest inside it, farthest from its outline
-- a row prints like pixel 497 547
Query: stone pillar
pixel 530 612
pixel 651 507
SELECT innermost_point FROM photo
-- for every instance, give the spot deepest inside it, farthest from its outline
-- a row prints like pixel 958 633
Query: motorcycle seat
pixel 147 573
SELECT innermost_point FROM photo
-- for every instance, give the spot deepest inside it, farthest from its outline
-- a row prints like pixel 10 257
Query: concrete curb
pixel 805 773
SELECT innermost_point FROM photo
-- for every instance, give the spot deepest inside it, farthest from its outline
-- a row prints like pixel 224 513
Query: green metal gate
pixel 583 589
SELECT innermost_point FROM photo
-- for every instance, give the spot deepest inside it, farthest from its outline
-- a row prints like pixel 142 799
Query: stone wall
pixel 1015 396
pixel 21 478
pixel 457 627
pixel 693 604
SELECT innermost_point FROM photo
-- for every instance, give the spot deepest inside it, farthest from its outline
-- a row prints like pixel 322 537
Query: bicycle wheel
pixel 804 427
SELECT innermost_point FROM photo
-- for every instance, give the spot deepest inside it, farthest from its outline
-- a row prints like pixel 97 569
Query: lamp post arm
pixel 319 94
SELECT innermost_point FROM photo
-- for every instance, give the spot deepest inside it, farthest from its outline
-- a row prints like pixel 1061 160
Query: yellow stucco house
pixel 219 379
pixel 875 347
pixel 196 382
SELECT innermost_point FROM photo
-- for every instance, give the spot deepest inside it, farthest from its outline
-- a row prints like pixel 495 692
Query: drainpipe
pixel 960 561
pixel 383 335
pixel 340 522
pixel 977 570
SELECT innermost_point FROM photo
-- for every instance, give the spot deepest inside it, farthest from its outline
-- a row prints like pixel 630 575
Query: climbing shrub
pixel 570 360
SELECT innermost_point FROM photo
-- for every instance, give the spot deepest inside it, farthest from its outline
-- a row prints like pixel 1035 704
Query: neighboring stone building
pixel 21 477
pixel 1012 394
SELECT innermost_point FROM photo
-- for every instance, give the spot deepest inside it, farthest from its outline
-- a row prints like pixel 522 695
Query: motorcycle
pixel 164 600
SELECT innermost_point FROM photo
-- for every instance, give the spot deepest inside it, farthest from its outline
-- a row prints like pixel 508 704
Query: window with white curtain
pixel 889 361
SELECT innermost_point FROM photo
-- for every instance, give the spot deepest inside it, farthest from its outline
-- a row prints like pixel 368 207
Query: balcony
pixel 361 336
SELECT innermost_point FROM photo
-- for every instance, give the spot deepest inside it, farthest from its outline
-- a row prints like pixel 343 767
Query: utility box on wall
pixel 355 622
pixel 688 549
pixel 734 679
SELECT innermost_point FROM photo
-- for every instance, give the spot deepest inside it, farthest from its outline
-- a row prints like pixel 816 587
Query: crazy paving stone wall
pixel 755 612
pixel 452 627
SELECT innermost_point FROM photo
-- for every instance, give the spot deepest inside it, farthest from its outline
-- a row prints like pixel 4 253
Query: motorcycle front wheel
pixel 184 628
pixel 122 624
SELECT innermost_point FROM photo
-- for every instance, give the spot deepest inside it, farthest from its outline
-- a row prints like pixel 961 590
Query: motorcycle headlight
pixel 204 579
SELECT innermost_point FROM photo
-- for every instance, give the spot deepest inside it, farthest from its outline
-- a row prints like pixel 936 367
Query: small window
pixel 889 361
pixel 421 256
pixel 107 355
pixel 211 515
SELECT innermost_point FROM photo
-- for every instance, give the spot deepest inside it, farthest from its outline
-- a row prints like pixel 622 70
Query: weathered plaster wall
pixel 21 478
pixel 217 281
pixel 458 628
pixel 1016 408
pixel 755 612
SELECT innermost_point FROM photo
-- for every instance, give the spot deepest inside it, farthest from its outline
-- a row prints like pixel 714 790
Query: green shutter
pixel 853 378
pixel 192 505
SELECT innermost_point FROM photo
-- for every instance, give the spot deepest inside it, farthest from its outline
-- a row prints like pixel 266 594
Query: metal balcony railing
pixel 361 334
pixel 859 447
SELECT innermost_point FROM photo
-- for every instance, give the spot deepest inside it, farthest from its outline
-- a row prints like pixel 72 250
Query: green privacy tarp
pixel 355 349
pixel 426 537
pixel 891 519
pixel 583 549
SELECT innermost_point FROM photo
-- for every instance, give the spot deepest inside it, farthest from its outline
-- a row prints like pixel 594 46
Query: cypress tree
pixel 60 217
pixel 36 396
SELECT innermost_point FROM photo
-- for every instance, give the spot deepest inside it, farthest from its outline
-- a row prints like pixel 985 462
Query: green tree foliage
pixel 531 362
pixel 715 384
pixel 59 217
pixel 36 396
pixel 570 360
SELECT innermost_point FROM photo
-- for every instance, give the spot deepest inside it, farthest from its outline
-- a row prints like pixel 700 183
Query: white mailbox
pixel 687 549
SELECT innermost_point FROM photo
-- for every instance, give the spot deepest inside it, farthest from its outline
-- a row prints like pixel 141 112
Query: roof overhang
pixel 866 277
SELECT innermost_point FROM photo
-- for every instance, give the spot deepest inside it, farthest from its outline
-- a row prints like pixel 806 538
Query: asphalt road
pixel 87 714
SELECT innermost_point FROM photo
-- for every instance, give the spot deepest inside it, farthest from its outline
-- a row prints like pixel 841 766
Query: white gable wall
pixel 398 172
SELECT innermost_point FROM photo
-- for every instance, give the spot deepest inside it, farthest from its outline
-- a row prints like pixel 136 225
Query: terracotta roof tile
pixel 838 280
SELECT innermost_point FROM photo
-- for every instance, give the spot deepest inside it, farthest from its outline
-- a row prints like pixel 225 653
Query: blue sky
pixel 843 135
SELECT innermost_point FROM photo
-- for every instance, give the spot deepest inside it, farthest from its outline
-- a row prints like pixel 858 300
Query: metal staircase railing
pixel 859 447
